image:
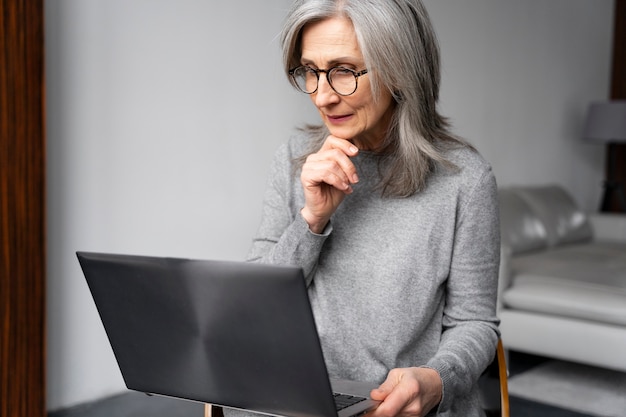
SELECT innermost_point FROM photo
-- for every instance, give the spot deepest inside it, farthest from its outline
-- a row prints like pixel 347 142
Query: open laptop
pixel 235 334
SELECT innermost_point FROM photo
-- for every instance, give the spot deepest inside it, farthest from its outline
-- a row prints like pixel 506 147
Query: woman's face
pixel 357 117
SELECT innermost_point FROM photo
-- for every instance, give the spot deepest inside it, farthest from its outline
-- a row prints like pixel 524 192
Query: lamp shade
pixel 606 121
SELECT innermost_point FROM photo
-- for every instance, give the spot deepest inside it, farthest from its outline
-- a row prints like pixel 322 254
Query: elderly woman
pixel 393 219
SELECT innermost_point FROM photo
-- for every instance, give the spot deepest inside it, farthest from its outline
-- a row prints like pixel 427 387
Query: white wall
pixel 517 78
pixel 163 116
pixel 162 119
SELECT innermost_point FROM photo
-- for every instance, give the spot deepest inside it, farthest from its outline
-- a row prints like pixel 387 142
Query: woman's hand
pixel 327 177
pixel 408 392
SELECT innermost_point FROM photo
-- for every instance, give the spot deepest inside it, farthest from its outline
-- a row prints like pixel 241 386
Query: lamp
pixel 606 123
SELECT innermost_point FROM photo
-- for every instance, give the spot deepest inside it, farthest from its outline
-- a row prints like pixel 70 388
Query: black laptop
pixel 236 334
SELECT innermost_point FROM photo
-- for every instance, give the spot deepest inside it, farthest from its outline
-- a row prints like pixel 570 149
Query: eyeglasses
pixel 343 81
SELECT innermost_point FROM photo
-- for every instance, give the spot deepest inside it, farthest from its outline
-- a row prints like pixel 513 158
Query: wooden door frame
pixel 22 210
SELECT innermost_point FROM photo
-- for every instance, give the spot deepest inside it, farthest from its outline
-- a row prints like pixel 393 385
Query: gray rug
pixel 585 389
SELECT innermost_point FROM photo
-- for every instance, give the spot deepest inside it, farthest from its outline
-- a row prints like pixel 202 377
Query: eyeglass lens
pixel 342 80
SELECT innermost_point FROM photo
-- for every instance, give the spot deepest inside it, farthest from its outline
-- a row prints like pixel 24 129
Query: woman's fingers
pixel 331 167
pixel 343 150
pixel 327 176
pixel 332 164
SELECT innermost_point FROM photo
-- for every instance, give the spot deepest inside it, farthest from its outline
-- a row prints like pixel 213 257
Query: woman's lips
pixel 339 118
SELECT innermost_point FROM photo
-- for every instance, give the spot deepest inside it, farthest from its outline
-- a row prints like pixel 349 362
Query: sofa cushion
pixel 563 220
pixel 520 228
pixel 585 281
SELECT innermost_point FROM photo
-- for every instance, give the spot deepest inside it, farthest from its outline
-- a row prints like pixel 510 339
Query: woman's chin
pixel 346 134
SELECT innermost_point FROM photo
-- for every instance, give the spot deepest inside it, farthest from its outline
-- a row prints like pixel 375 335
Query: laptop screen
pixel 236 334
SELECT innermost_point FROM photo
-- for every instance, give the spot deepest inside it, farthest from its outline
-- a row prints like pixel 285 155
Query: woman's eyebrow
pixel 335 61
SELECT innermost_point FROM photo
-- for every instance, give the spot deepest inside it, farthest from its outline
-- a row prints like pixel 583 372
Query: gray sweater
pixel 396 282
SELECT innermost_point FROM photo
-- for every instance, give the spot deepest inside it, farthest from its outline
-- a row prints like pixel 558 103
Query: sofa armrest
pixel 608 226
pixel 505 272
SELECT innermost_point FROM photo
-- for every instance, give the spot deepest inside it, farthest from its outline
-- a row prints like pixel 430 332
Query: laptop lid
pixel 235 334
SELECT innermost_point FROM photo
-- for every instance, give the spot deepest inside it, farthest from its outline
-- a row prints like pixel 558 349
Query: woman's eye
pixel 341 72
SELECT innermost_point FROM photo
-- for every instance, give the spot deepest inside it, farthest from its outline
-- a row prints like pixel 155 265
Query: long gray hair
pixel 400 47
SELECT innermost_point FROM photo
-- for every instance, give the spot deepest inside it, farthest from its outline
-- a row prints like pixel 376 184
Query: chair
pixel 211 410
pixel 493 384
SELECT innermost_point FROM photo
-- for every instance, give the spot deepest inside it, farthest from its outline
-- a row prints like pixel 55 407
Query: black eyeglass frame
pixel 317 72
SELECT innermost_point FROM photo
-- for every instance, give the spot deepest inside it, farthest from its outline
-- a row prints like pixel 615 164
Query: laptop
pixel 235 334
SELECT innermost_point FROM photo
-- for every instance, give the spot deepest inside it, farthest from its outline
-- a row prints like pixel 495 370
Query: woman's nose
pixel 325 94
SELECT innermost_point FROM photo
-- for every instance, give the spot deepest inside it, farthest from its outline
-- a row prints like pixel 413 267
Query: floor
pixel 519 362
pixel 134 404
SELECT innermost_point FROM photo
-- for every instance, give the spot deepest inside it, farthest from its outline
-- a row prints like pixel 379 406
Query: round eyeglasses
pixel 343 81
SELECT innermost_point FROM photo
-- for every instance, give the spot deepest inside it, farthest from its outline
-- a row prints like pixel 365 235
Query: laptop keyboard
pixel 344 401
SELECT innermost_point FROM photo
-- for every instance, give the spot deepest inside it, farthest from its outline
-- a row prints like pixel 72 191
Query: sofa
pixel 562 283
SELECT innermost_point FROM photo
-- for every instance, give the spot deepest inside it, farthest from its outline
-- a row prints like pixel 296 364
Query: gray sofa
pixel 562 287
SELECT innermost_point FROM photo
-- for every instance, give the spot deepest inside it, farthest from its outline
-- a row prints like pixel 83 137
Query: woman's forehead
pixel 331 40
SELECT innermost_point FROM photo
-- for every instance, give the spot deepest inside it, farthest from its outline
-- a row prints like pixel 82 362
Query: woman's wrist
pixel 316 224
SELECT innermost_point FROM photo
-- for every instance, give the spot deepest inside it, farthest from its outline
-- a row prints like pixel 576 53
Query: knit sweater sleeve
pixel 470 324
pixel 283 236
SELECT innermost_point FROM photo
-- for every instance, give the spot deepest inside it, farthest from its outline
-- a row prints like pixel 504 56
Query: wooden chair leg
pixel 504 376
pixel 493 386
pixel 211 410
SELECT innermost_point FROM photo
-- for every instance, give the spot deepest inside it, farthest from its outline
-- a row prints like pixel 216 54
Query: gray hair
pixel 400 47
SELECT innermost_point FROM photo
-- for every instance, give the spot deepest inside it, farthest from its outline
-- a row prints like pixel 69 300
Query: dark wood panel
pixel 618 91
pixel 22 209
pixel 618 82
